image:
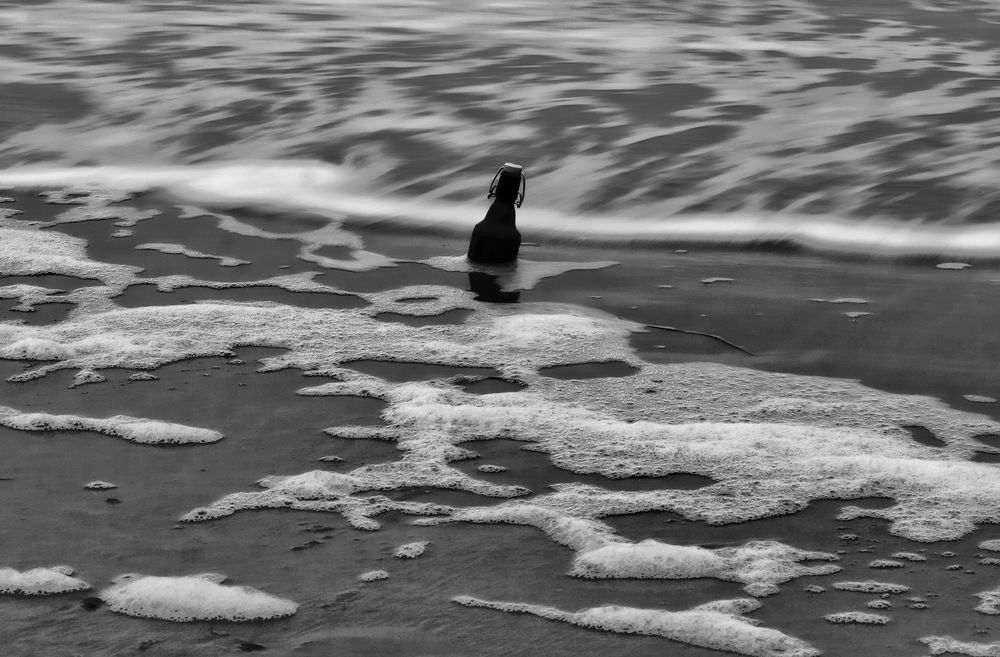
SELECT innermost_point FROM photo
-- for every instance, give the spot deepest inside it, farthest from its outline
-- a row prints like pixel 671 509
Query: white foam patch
pixel 192 598
pixel 989 602
pixel 334 191
pixel 85 376
pixel 856 618
pixel 96 209
pixel 886 563
pixel 100 485
pixel 941 645
pixel 717 625
pixel 795 439
pixel 992 544
pixel 29 296
pixel 137 430
pixel 28 251
pixel 373 576
pixel 145 338
pixel 909 556
pixel 411 550
pixel 40 581
pixel 318 490
pixel 760 565
pixel 180 249
pixel 870 586
pixel 310 241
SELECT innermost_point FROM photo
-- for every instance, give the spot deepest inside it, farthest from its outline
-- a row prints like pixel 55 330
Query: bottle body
pixel 495 239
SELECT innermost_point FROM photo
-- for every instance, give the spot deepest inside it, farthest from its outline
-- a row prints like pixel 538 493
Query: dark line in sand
pixel 707 335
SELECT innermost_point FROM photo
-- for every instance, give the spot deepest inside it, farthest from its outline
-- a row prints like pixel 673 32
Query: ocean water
pixel 866 127
pixel 738 396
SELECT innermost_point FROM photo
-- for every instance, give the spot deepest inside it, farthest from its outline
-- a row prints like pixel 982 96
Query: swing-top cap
pixel 510 167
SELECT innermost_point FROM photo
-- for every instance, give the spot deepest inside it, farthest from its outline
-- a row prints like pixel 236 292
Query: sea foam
pixel 200 597
pixel 137 430
pixel 717 625
pixel 794 439
pixel 40 581
pixel 941 645
pixel 760 565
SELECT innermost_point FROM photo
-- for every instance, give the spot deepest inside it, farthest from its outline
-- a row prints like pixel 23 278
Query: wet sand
pixel 930 331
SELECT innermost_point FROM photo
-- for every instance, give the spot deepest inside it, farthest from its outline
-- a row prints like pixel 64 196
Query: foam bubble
pixel 373 575
pixel 137 430
pixel 180 249
pixel 27 250
pixel 870 586
pixel 318 490
pixel 992 544
pixel 886 563
pixel 856 618
pixel 40 581
pixel 989 602
pixel 716 625
pixel 100 485
pixel 85 376
pixel 940 645
pixel 909 556
pixel 192 598
pixel 760 565
pixel 411 550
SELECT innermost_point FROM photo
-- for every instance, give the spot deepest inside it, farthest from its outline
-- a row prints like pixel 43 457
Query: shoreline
pixel 289 186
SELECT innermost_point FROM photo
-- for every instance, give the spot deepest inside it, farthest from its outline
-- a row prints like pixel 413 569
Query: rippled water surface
pixel 865 109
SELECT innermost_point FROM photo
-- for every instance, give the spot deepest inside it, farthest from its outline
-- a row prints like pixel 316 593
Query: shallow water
pixel 314 559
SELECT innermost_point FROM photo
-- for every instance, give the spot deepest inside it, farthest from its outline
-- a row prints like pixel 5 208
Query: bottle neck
pixel 508 186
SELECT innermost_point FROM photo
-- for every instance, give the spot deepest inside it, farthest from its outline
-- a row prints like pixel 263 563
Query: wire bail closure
pixel 510 168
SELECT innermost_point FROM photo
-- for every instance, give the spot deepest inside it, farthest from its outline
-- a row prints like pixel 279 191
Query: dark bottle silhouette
pixel 495 239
